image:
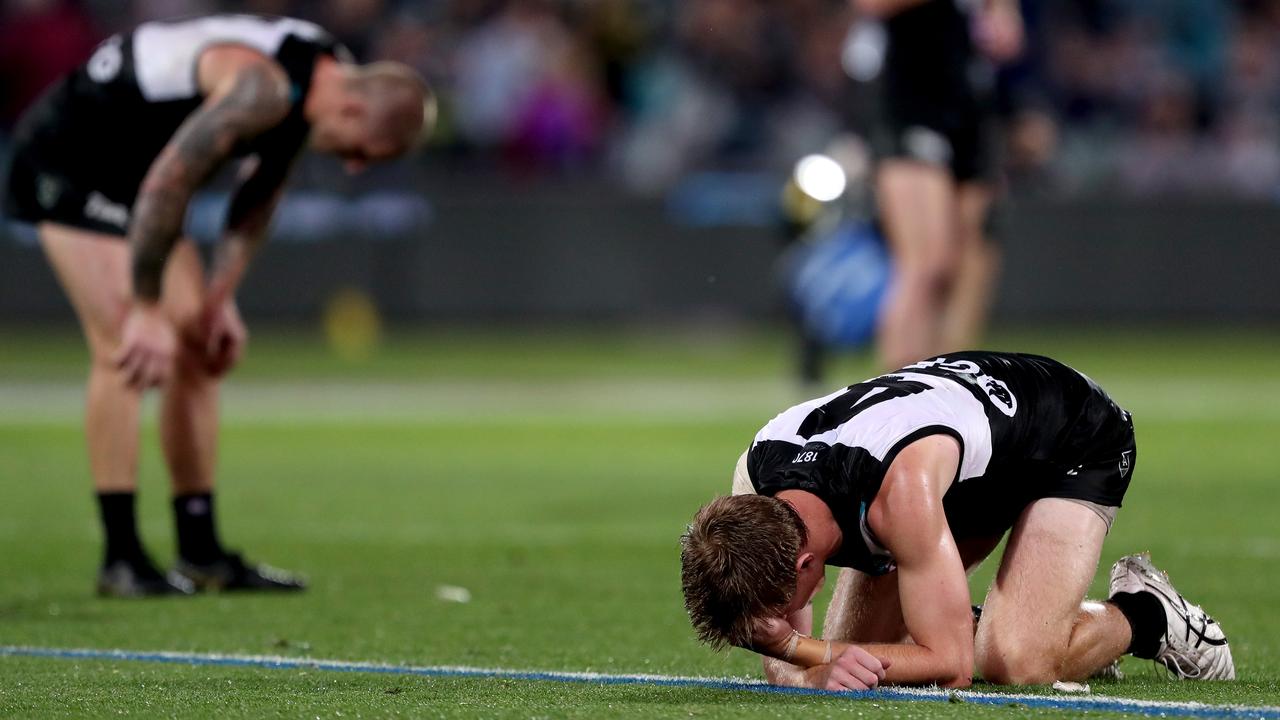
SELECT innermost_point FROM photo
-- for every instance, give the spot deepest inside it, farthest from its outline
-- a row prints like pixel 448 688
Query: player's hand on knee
pixel 225 337
pixel 147 346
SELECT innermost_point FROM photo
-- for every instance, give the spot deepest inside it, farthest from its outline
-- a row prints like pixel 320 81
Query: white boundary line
pixel 1096 703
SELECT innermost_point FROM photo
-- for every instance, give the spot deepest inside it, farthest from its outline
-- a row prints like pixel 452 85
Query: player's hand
pixel 772 636
pixel 998 32
pixel 225 337
pixel 853 669
pixel 147 346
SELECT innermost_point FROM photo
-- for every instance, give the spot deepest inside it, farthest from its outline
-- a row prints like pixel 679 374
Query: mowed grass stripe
pixel 1194 399
pixel 1150 708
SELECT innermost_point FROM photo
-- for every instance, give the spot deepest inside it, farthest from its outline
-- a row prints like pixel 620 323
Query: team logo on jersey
pixel 106 61
pixel 999 395
pixel 927 145
pixel 1126 464
pixel 48 191
pixel 100 208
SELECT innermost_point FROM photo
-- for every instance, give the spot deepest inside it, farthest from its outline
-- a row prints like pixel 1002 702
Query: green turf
pixel 563 527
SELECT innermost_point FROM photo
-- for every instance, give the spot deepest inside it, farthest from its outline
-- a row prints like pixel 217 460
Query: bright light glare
pixel 820 177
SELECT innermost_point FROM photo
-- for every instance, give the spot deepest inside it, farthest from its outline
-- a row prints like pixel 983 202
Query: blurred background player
pixel 115 151
pixel 933 181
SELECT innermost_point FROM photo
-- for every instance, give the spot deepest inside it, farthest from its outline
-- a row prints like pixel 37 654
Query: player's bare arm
pixel 248 218
pixel 793 658
pixel 907 516
pixel 247 94
pixel 790 655
pixel 223 335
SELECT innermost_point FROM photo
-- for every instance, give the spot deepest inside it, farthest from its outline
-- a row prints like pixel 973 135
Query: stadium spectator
pixel 905 482
pixel 116 151
pixel 40 41
pixel 653 90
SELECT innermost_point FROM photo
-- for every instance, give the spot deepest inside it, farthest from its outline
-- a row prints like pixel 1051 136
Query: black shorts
pixel 52 179
pixel 947 125
pixel 1094 465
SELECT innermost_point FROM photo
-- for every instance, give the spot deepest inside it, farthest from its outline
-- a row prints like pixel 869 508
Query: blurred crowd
pixel 1147 97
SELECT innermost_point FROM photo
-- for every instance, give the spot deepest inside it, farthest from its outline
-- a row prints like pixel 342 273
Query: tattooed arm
pixel 245 97
pixel 246 103
pixel 248 219
pixel 222 334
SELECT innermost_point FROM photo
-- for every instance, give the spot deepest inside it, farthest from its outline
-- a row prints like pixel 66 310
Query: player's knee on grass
pixel 1010 658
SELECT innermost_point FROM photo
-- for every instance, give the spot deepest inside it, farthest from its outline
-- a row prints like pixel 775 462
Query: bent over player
pixel 908 480
pixel 114 152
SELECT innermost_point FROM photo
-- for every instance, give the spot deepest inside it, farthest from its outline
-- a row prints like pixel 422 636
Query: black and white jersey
pixel 100 129
pixel 930 57
pixel 1027 427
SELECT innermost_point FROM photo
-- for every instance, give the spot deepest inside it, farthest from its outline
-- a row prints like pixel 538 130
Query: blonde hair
pixel 738 566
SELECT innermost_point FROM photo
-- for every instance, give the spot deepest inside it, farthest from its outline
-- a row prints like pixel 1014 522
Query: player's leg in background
pixel 94 271
pixel 917 204
pixel 865 608
pixel 977 269
pixel 1035 627
pixel 189 436
pixel 189 411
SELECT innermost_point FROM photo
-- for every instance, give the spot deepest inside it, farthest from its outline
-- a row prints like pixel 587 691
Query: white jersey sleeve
pixel 741 479
pixel 165 53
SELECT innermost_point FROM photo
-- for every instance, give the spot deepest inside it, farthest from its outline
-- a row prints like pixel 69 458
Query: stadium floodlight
pixel 820 177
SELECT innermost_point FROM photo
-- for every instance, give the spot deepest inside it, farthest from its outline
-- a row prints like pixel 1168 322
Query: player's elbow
pixel 957 671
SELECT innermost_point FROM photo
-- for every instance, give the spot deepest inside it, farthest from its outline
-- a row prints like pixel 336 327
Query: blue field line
pixel 1151 708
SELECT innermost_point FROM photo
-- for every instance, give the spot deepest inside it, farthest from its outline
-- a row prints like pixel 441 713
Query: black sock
pixel 120 527
pixel 1146 619
pixel 197 537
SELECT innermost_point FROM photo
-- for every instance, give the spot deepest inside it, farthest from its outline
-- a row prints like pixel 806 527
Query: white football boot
pixel 1194 646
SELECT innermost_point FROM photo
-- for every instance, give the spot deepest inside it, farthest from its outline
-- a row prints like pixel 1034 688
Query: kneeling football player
pixel 906 482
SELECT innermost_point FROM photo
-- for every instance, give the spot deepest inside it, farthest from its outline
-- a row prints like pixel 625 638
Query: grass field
pixel 550 474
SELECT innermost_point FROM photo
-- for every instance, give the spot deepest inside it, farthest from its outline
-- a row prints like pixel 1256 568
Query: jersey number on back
pixel 856 399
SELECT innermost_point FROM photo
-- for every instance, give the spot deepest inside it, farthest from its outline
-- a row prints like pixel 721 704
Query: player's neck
pixel 824 532
pixel 328 86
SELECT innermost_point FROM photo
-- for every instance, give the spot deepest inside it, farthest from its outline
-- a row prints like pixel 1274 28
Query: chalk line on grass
pixel 1097 703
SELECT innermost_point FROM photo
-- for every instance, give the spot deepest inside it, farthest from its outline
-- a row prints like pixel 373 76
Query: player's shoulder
pixel 229 60
pixel 256 80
